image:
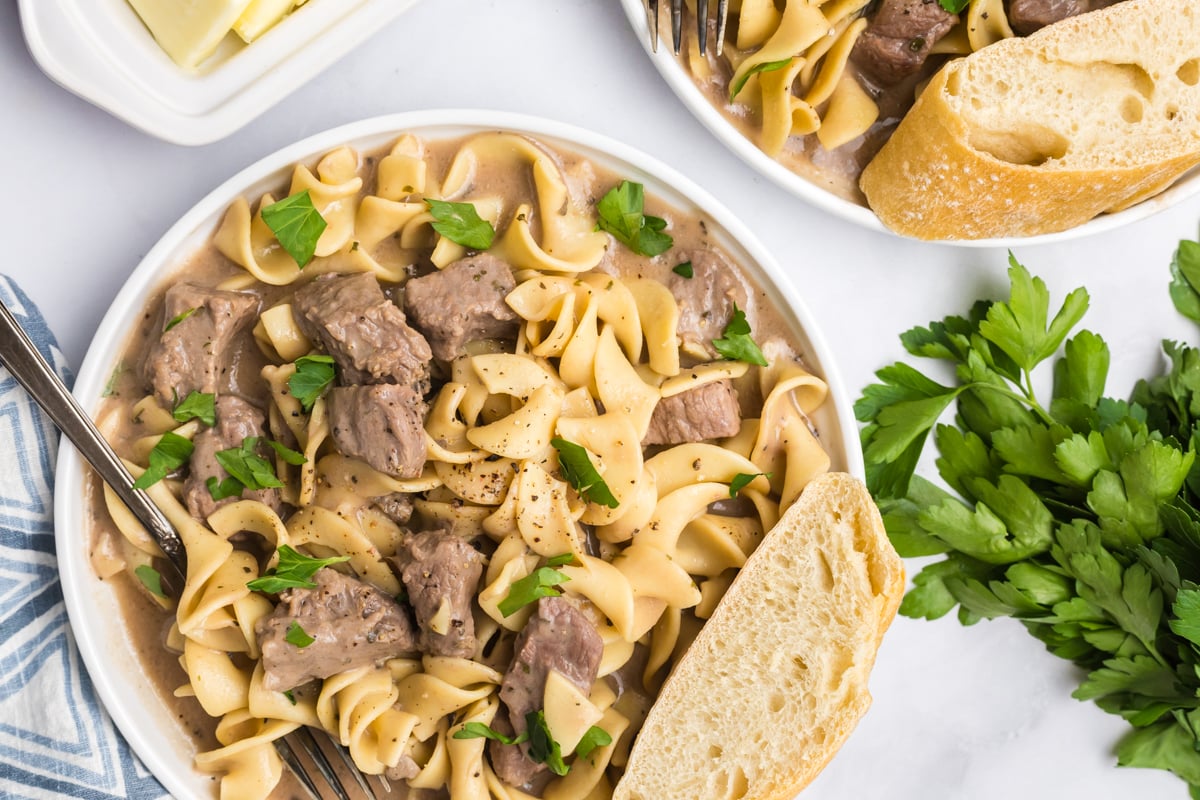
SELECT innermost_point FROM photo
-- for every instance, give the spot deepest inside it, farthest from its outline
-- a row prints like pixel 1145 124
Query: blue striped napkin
pixel 55 738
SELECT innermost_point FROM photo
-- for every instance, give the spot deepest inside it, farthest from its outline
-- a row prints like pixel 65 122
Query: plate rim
pixel 77 578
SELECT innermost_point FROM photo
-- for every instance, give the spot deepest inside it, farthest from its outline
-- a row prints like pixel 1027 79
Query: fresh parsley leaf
pixel 314 374
pixel 478 730
pixel 684 269
pixel 1185 280
pixel 561 560
pixel 219 490
pixel 735 342
pixel 150 578
pixel 767 66
pixel 297 225
pixel 578 470
pixel 621 213
pixel 594 737
pixel 742 480
pixel 1019 327
pixel 954 6
pixel 461 224
pixel 291 697
pixel 197 405
pixel 170 453
pixel 542 747
pixel 288 455
pixel 539 583
pixel 247 466
pixel 293 571
pixel 296 636
pixel 178 318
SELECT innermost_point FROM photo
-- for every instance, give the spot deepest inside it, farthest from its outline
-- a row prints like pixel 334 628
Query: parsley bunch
pixel 1077 514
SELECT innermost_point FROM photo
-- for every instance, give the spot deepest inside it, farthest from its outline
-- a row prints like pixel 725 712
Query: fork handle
pixel 32 371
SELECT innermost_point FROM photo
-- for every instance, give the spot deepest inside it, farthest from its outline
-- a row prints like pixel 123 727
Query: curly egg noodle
pixel 793 56
pixel 595 352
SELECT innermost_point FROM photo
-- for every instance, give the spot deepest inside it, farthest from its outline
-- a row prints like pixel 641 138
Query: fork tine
pixel 293 763
pixel 702 24
pixel 677 24
pixel 722 18
pixel 652 23
pixel 306 741
pixel 359 778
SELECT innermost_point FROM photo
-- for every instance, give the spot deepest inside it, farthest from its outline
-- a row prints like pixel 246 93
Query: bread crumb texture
pixel 777 678
pixel 1039 134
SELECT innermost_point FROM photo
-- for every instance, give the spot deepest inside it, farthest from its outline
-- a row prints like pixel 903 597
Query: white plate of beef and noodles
pixel 819 85
pixel 405 468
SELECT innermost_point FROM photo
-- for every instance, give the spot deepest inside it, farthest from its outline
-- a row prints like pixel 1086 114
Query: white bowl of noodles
pixel 122 662
pixel 824 185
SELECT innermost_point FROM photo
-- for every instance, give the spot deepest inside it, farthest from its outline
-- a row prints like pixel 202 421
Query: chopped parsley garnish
pixel 766 66
pixel 742 480
pixel 621 214
pixel 542 747
pixel 577 470
pixel 735 342
pixel 150 578
pixel 171 453
pixel 539 583
pixel 297 225
pixel 953 6
pixel 197 405
pixel 289 455
pixel 291 697
pixel 312 377
pixel 247 470
pixel 296 635
pixel 110 388
pixel 461 224
pixel 178 318
pixel 560 560
pixel 478 730
pixel 593 738
pixel 684 269
pixel 293 571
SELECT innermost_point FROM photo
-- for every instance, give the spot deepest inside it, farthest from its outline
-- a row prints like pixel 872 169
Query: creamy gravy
pixel 146 621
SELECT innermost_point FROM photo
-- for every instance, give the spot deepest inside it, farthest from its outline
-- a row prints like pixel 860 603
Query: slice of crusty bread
pixel 1039 134
pixel 777 678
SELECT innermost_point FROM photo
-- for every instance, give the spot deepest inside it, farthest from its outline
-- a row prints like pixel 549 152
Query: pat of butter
pixel 261 15
pixel 189 30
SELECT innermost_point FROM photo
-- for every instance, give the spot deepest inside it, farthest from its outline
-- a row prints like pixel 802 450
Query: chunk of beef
pixel 557 637
pixel 705 300
pixel 352 624
pixel 381 424
pixel 440 572
pixel 462 303
pixel 237 420
pixel 1027 16
pixel 201 325
pixel 365 332
pixel 708 411
pixel 398 506
pixel 900 37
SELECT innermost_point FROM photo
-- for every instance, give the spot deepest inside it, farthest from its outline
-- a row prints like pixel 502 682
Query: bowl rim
pixel 727 133
pixel 78 580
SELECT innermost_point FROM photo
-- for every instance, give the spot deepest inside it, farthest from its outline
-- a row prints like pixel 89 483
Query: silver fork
pixel 677 23
pixel 30 369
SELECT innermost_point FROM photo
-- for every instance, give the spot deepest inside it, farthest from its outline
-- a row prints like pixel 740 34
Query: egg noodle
pixel 812 92
pixel 594 354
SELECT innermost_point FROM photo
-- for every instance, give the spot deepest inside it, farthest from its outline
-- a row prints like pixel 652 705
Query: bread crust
pixel 954 171
pixel 777 678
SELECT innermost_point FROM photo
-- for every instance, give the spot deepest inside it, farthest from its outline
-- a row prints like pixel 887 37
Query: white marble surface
pixel 981 713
